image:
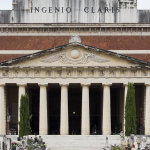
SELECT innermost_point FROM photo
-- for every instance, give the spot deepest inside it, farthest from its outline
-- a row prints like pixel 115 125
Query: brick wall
pixel 46 42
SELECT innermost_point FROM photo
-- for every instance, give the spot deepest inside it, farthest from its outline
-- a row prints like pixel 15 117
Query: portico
pixel 88 82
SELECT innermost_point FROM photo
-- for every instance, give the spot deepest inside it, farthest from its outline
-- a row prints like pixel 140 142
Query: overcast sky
pixel 7 4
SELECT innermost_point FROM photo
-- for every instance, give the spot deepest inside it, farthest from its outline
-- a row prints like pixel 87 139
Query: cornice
pixel 67 29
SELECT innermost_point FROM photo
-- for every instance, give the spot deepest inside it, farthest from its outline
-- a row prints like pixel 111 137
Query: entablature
pixel 75 72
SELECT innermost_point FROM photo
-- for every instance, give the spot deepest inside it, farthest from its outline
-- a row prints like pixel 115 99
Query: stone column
pixel 22 91
pixel 125 94
pixel 43 124
pixel 85 122
pixel 2 110
pixel 106 110
pixel 147 116
pixel 64 125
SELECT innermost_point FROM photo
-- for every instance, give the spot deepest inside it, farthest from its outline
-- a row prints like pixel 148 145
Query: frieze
pixel 6 73
pixel 79 73
pixel 112 73
pixel 91 72
pixel 144 72
pixel 101 73
pixel 59 72
pixel 16 72
pixel 123 72
pixel 36 72
pixel 26 73
pixel 68 73
pixel 48 73
pixel 134 72
pixel 88 72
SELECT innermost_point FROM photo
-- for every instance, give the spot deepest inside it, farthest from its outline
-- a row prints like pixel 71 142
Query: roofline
pixel 8 62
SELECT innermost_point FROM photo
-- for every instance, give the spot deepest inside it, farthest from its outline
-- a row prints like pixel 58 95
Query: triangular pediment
pixel 75 54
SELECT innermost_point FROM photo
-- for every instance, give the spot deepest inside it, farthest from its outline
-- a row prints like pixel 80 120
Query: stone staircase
pixel 78 142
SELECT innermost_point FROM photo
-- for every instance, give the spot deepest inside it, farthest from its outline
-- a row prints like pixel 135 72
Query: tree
pixel 24 124
pixel 130 111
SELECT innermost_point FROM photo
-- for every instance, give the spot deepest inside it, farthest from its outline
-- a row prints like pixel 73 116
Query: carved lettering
pixel 86 9
pixel 37 9
pixel 99 10
pixel 68 10
pixel 44 10
pixel 92 10
pixel 50 10
pixel 57 9
pixel 106 9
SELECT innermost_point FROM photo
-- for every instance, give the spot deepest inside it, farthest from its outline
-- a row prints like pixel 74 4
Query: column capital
pixel 43 84
pixel 64 84
pixel 125 84
pixel 2 84
pixel 147 84
pixel 106 84
pixel 85 84
pixel 21 84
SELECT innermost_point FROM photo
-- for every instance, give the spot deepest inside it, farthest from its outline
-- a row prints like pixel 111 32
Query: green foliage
pixel 130 111
pixel 24 124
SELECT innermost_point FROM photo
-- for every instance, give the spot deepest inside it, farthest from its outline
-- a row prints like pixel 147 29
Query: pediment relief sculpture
pixel 74 57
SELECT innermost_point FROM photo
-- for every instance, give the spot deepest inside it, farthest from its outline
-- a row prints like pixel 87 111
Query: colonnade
pixel 85 122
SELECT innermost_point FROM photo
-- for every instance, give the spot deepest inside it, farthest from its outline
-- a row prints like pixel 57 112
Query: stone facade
pixel 76 63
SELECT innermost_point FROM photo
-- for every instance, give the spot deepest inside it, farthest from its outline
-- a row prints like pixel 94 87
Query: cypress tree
pixel 24 124
pixel 130 111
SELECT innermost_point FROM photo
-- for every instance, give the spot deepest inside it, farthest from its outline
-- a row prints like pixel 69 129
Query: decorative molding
pixel 102 73
pixel 123 72
pixel 112 73
pixel 65 58
pixel 144 72
pixel 75 29
pixel 134 72
pixel 34 51
pixel 75 38
pixel 75 72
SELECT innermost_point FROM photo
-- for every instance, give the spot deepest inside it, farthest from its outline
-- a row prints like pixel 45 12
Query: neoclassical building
pixel 74 89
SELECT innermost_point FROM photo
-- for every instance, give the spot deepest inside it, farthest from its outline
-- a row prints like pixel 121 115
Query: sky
pixel 7 4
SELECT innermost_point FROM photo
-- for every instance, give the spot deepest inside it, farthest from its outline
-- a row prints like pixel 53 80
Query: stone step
pixel 77 142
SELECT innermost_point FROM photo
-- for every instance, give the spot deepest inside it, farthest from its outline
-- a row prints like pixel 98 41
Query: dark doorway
pixel 74 104
pixel 34 95
pixel 95 110
pixel 116 126
pixel 140 92
pixel 54 96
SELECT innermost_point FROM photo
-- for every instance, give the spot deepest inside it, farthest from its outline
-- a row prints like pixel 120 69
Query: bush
pixel 24 124
pixel 130 111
